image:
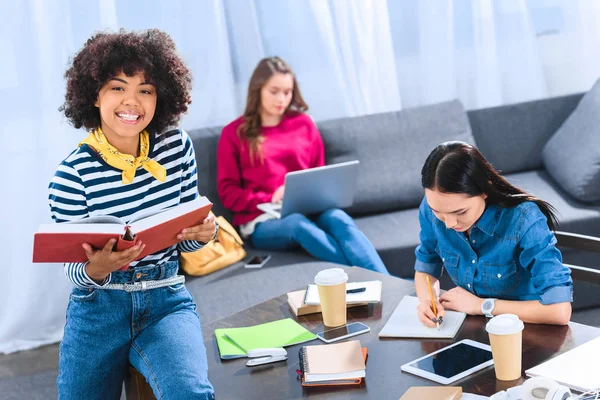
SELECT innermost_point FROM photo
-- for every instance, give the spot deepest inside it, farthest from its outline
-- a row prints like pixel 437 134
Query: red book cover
pixel 62 242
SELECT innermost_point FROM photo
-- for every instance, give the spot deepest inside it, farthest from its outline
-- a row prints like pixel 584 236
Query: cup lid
pixel 504 324
pixel 331 276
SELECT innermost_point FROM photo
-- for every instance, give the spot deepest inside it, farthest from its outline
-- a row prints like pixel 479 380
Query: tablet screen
pixel 453 360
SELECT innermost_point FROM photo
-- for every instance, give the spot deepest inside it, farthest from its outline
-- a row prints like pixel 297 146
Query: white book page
pixel 166 215
pixel 99 219
pixel 372 294
pixel 82 228
pixel 405 323
pixel 333 377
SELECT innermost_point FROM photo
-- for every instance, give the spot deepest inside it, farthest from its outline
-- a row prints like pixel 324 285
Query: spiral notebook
pixel 333 364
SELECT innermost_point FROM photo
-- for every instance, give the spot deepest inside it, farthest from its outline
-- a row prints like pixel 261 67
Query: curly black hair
pixel 105 55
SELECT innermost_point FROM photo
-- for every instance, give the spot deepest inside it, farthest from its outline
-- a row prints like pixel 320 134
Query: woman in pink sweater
pixel 272 138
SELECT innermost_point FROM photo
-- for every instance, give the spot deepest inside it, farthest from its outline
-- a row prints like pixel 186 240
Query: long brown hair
pixel 250 129
pixel 458 167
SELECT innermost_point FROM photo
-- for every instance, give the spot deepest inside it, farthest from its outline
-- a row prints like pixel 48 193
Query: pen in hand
pixel 436 319
pixel 357 290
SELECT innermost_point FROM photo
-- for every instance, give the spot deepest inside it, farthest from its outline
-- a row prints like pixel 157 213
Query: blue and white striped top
pixel 84 185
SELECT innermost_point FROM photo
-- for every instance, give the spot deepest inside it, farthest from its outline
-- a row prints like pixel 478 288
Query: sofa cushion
pixel 205 142
pixel 395 235
pixel 573 217
pixel 392 148
pixel 572 155
pixel 512 136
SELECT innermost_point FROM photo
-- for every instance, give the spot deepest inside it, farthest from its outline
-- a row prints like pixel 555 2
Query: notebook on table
pixel 433 393
pixel 405 323
pixel 333 364
pixel 372 293
pixel 299 307
pixel 577 369
pixel 235 342
pixel 331 186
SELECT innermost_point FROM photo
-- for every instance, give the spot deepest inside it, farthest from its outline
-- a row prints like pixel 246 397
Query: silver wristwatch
pixel 487 307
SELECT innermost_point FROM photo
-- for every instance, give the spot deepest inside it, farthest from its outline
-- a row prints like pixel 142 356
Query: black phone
pixel 257 261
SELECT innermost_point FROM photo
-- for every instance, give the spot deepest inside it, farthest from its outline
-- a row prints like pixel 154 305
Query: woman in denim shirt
pixel 492 238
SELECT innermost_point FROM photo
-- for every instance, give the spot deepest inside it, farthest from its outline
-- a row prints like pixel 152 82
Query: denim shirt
pixel 509 254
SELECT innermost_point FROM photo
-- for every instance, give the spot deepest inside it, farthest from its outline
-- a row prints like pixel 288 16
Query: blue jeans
pixel 332 236
pixel 157 331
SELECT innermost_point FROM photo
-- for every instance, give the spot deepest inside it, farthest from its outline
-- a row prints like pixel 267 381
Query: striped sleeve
pixel 68 203
pixel 189 186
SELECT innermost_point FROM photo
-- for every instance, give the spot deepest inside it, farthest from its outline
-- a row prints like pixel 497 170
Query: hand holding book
pixel 106 260
pixel 203 232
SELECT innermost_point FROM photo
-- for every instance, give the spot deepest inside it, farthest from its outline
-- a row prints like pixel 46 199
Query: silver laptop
pixel 314 190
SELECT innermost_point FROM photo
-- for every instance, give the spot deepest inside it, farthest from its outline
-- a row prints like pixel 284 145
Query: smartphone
pixel 257 261
pixel 343 332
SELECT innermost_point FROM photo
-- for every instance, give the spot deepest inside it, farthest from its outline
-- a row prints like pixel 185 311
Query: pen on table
pixel 357 290
pixel 437 321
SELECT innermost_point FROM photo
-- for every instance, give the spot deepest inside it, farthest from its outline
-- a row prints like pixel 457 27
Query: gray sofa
pixel 392 148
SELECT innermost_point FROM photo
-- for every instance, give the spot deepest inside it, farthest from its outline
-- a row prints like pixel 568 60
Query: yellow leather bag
pixel 225 250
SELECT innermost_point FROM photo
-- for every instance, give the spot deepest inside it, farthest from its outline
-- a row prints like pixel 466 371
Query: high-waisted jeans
pixel 157 331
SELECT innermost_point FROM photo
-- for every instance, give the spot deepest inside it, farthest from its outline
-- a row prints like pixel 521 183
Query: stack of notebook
pixel 299 307
pixel 357 293
pixel 235 342
pixel 333 364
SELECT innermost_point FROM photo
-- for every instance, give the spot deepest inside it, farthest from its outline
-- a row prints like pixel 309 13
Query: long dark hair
pixel 250 129
pixel 458 167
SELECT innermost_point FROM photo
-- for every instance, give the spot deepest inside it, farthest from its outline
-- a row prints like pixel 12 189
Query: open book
pixel 405 323
pixel 157 230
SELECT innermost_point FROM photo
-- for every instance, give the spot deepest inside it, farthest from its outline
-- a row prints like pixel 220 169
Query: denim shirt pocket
pixel 449 262
pixel 82 295
pixel 500 278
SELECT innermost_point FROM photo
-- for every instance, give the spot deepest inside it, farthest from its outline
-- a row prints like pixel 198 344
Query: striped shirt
pixel 85 186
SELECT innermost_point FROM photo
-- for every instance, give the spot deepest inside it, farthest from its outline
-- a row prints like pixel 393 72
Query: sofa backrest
pixel 512 136
pixel 205 142
pixel 392 148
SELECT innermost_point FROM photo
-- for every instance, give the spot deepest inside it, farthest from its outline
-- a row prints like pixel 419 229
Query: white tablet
pixel 453 362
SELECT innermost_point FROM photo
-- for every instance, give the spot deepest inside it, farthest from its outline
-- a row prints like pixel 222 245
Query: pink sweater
pixel 293 145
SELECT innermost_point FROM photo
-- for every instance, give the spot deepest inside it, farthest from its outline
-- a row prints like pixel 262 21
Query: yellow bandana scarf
pixel 125 162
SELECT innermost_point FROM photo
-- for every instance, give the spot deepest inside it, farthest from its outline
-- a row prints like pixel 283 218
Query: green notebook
pixel 235 342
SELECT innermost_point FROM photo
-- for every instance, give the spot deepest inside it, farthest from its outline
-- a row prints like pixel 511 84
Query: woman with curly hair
pixel 128 90
pixel 272 138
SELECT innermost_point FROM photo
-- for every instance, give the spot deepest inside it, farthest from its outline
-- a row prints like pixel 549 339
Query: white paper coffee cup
pixel 506 339
pixel 331 284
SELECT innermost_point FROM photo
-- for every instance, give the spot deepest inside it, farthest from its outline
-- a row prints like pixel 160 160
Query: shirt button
pixel 473 241
pixel 468 285
pixel 499 275
pixel 443 260
pixel 138 275
pixel 473 261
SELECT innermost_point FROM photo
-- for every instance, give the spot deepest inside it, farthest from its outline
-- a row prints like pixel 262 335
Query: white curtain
pixel 351 57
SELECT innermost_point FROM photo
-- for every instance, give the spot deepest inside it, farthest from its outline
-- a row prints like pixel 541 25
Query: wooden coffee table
pixel 233 380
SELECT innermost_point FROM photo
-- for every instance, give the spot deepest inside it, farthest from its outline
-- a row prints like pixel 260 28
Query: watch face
pixel 487 305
